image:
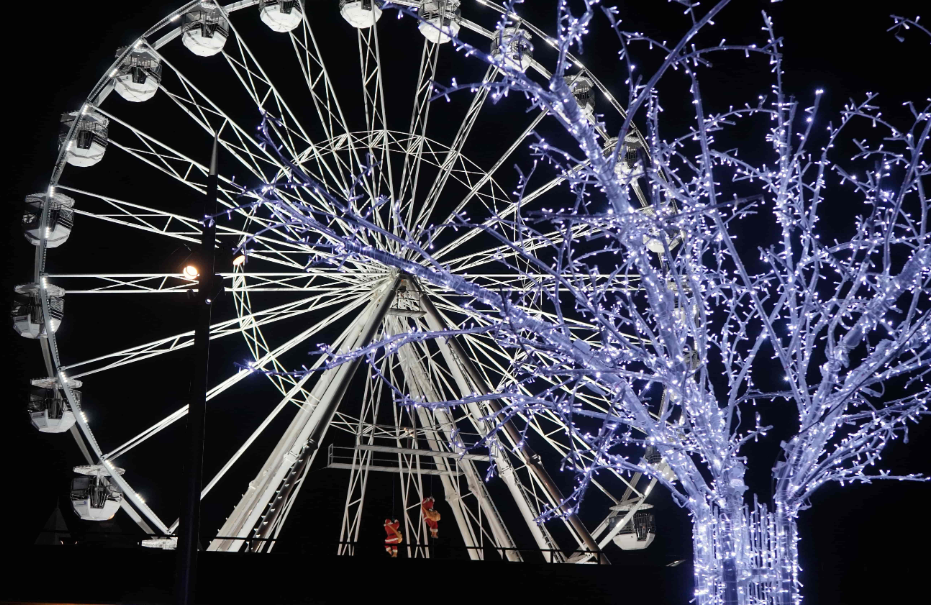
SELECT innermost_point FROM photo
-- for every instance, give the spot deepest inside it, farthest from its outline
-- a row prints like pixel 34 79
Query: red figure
pixel 393 538
pixel 431 516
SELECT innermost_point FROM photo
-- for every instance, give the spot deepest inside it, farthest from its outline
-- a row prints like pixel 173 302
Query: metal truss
pixel 327 133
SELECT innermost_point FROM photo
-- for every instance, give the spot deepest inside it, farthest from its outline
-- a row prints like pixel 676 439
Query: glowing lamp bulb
pixel 190 272
pixel 239 260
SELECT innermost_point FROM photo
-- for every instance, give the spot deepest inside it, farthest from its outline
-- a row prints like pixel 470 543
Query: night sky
pixel 855 540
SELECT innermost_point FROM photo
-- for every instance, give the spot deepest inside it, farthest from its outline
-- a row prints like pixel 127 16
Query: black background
pixel 856 540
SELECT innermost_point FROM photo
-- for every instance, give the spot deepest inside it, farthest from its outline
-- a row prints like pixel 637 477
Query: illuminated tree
pixel 644 281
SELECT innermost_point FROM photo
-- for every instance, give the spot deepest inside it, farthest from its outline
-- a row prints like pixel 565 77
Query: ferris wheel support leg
pixel 506 470
pixel 326 409
pixel 451 492
pixel 359 475
pixel 477 488
pixel 531 458
pixel 299 444
pixel 416 378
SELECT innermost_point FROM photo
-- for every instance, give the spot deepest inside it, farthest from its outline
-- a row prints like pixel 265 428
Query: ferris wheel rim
pixel 50 345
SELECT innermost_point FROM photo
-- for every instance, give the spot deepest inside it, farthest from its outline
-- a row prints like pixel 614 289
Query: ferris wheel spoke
pixel 475 348
pixel 495 365
pixel 178 165
pixel 161 157
pixel 262 91
pixel 380 180
pixel 488 176
pixel 547 424
pixel 252 331
pixel 419 121
pixel 514 252
pixel 295 392
pixel 217 330
pixel 452 156
pixel 320 87
pixel 416 377
pixel 329 112
pixel 269 247
pixel 509 210
pixel 376 117
pixel 527 280
pixel 253 155
pixel 284 465
pixel 178 283
pixel 259 85
pixel 467 386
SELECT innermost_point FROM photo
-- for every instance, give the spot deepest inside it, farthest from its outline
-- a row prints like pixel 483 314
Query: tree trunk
pixel 745 556
pixel 787 552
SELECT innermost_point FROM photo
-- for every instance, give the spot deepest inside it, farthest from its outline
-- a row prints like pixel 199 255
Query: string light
pixel 671 296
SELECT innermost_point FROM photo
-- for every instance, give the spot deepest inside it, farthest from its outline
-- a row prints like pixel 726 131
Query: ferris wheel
pixel 130 170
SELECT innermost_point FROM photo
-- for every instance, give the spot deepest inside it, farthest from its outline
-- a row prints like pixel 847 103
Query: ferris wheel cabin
pixel 60 219
pixel 628 164
pixel 639 532
pixel 205 30
pixel 513 45
pixel 138 76
pixel 89 141
pixel 584 92
pixel 28 317
pixel 49 411
pixel 360 14
pixel 280 15
pixel 92 497
pixel 441 20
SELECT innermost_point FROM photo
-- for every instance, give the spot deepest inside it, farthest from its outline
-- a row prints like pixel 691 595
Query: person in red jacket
pixel 431 516
pixel 393 538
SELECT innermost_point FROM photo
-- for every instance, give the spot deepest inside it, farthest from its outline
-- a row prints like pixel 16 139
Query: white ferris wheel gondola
pixel 583 89
pixel 28 314
pixel 281 15
pixel 639 531
pixel 514 46
pixel 58 225
pixel 441 20
pixel 205 29
pixel 629 162
pixel 93 497
pixel 89 142
pixel 138 76
pixel 360 14
pixel 49 410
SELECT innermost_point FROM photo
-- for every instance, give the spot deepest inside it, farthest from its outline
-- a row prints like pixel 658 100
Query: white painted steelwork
pixel 430 180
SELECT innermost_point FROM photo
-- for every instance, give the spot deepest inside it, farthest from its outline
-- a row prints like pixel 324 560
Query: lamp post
pixel 208 288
